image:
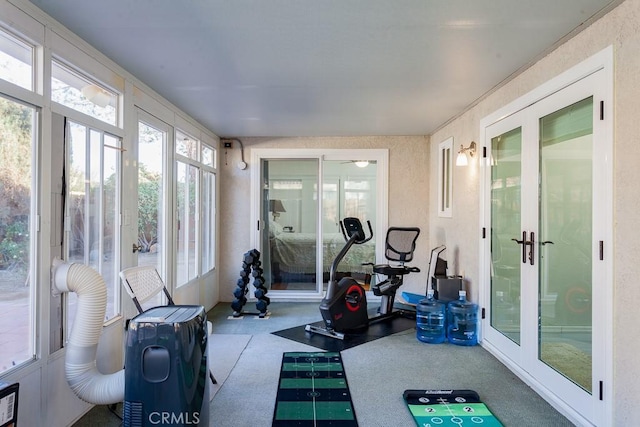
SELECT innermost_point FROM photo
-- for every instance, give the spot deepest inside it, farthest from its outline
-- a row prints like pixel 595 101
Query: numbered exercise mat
pixel 444 408
pixel 313 391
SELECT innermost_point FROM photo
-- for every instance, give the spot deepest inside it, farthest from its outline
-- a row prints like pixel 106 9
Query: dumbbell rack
pixel 251 267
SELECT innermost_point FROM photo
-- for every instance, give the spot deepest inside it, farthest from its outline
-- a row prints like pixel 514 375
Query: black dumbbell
pixel 262 304
pixel 240 292
pixel 238 303
pixel 249 258
pixel 260 292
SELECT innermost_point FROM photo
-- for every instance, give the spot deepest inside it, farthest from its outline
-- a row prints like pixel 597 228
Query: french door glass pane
pixel 151 202
pixel 208 221
pixel 109 265
pixel 187 178
pixel 16 284
pixel 506 258
pixel 93 208
pixel 565 236
pixel 151 143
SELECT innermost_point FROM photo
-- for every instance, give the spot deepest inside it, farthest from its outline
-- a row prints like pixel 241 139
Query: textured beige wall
pixel 620 28
pixel 408 196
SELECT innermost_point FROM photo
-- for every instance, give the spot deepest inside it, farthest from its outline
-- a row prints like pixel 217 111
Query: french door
pixel 546 216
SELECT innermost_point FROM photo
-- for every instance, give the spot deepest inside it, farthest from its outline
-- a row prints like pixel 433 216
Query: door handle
pixel 532 247
pixel 546 242
pixel 527 243
pixel 523 242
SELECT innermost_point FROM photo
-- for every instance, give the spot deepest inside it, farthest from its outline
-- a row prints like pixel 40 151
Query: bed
pixel 295 253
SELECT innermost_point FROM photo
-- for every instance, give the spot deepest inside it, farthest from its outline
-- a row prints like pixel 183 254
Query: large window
pixel 195 207
pixel 17 284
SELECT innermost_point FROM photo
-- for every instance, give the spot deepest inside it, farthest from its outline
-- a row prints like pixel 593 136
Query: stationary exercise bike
pixel 344 306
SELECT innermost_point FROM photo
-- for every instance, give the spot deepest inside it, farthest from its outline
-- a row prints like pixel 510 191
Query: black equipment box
pixel 9 404
pixel 166 375
pixel 445 288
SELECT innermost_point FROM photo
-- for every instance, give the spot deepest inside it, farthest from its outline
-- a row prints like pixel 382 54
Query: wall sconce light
pixel 462 160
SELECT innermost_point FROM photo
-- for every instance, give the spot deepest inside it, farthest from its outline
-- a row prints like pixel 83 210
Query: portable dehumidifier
pixel 166 368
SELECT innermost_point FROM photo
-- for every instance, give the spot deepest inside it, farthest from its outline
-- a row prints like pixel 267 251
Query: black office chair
pixel 399 247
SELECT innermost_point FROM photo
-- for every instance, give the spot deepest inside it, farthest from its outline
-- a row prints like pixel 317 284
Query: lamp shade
pixel 462 160
pixel 276 206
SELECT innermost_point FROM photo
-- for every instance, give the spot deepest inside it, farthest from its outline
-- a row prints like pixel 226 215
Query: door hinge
pixel 484 152
pixel 601 110
pixel 258 225
pixel 483 313
pixel 601 250
pixel 484 232
pixel 601 387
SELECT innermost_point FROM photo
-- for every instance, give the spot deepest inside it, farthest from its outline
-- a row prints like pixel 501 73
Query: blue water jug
pixel 462 321
pixel 430 320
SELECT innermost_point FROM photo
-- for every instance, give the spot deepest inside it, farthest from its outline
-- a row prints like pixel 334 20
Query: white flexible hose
pixel 82 374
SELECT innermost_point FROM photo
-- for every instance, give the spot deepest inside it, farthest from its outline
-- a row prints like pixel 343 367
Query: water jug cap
pixel 429 292
pixel 462 293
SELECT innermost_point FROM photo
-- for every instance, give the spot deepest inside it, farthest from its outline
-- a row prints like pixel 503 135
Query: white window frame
pixel 445 178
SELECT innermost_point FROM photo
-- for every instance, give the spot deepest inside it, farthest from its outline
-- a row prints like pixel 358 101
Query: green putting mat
pixel 313 391
pixel 444 408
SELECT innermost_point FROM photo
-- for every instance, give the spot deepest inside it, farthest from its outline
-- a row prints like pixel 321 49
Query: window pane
pixel 289 214
pixel 74 91
pixel 208 221
pixel 16 61
pixel 187 176
pixel 16 139
pixel 93 206
pixel 186 146
pixel 208 156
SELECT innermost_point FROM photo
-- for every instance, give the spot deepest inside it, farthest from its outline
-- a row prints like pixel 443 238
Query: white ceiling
pixel 323 67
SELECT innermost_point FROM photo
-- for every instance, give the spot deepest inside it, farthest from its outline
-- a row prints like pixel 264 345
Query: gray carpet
pixel 378 372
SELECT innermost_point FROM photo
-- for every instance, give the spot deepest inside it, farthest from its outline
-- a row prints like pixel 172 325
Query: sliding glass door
pixel 299 205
